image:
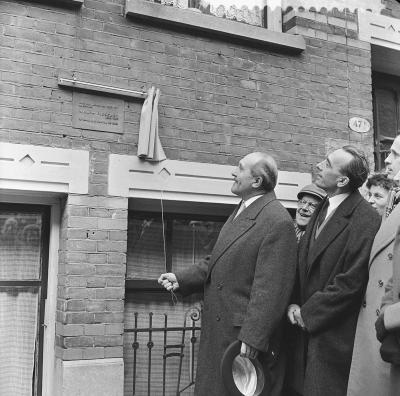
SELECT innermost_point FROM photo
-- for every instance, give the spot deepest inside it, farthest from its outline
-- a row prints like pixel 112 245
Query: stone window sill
pixel 222 28
pixel 65 3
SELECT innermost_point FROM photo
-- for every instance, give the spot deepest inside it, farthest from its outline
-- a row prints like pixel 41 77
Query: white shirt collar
pixel 249 201
pixel 335 201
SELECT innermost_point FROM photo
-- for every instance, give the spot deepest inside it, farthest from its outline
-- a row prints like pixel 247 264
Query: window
pixel 24 233
pixel 386 94
pixel 187 238
pixel 250 11
pixel 268 32
pixel 158 359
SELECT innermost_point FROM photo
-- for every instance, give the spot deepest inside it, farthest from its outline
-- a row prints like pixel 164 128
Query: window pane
pixel 386 113
pixel 145 258
pixel 20 235
pixel 192 240
pixel 18 332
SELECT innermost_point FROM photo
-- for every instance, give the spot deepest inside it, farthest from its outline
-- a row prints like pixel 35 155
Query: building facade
pixel 88 221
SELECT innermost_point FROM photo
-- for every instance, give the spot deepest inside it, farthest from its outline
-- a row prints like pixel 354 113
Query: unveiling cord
pixel 174 298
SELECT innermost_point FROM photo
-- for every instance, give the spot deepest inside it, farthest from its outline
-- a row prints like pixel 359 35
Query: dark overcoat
pixel 332 276
pixel 247 282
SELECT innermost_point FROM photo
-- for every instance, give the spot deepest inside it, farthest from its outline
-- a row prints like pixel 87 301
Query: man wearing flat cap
pixel 308 199
pixel 246 281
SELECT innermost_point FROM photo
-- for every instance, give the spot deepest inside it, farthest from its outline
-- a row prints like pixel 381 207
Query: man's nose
pixel 388 159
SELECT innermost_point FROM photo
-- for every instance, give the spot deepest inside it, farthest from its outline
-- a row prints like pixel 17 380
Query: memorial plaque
pixel 97 113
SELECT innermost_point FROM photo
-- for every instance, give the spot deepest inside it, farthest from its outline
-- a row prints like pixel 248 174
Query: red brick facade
pixel 219 101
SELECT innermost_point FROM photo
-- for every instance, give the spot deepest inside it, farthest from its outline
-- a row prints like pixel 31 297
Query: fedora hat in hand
pixel 241 376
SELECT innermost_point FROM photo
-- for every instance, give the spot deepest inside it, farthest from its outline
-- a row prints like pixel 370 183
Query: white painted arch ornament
pixel 43 169
pixel 131 177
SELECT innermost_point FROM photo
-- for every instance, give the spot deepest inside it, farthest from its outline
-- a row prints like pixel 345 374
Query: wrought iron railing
pixel 145 337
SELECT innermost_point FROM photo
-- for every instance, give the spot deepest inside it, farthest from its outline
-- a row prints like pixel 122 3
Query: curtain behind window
pixel 19 261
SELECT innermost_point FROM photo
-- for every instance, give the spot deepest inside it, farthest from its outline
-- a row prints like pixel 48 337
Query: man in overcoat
pixel 332 275
pixel 369 374
pixel 246 281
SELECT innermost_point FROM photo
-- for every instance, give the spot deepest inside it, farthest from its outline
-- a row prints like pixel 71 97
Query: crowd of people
pixel 316 302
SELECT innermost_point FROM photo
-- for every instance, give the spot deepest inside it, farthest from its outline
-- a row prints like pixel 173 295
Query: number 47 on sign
pixel 359 124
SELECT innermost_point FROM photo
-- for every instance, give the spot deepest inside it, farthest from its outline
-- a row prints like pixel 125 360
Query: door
pixel 24 243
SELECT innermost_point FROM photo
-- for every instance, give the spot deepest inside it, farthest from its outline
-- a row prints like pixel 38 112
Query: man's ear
pixel 257 182
pixel 342 181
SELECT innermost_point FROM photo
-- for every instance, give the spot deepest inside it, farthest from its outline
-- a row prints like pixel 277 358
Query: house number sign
pixel 358 124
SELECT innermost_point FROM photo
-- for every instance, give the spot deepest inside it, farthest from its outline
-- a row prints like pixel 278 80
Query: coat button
pixel 364 304
pixel 378 312
pixel 380 283
pixel 390 256
pixel 218 318
pixel 219 287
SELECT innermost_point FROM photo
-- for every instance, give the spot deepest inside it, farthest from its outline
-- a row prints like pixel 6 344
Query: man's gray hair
pixel 267 168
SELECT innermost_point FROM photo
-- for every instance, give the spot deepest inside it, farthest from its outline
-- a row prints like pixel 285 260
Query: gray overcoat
pixel 247 282
pixel 333 274
pixel 369 374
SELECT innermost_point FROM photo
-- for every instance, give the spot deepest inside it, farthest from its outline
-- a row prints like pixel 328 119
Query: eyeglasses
pixel 303 203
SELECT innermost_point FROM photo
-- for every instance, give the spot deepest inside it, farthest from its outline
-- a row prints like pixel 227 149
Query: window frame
pixel 147 284
pixel 392 84
pixel 41 284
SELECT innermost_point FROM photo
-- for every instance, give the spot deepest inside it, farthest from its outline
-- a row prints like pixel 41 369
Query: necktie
pixel 322 217
pixel 241 208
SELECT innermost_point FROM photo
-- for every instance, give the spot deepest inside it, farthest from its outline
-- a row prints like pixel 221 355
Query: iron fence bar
pixel 193 339
pixel 193 329
pixel 181 358
pixel 135 347
pixel 165 352
pixel 150 345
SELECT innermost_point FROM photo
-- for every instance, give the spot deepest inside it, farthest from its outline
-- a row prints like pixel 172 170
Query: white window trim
pixel 48 369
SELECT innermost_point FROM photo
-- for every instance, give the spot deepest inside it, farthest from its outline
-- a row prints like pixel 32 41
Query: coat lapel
pixel 386 233
pixel 235 228
pixel 333 228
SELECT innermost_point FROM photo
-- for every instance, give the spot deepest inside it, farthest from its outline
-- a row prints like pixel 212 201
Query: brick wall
pixel 341 86
pixel 219 101
pixel 90 307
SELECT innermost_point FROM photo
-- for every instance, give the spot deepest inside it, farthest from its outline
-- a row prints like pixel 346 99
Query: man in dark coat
pixel 246 281
pixel 332 275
